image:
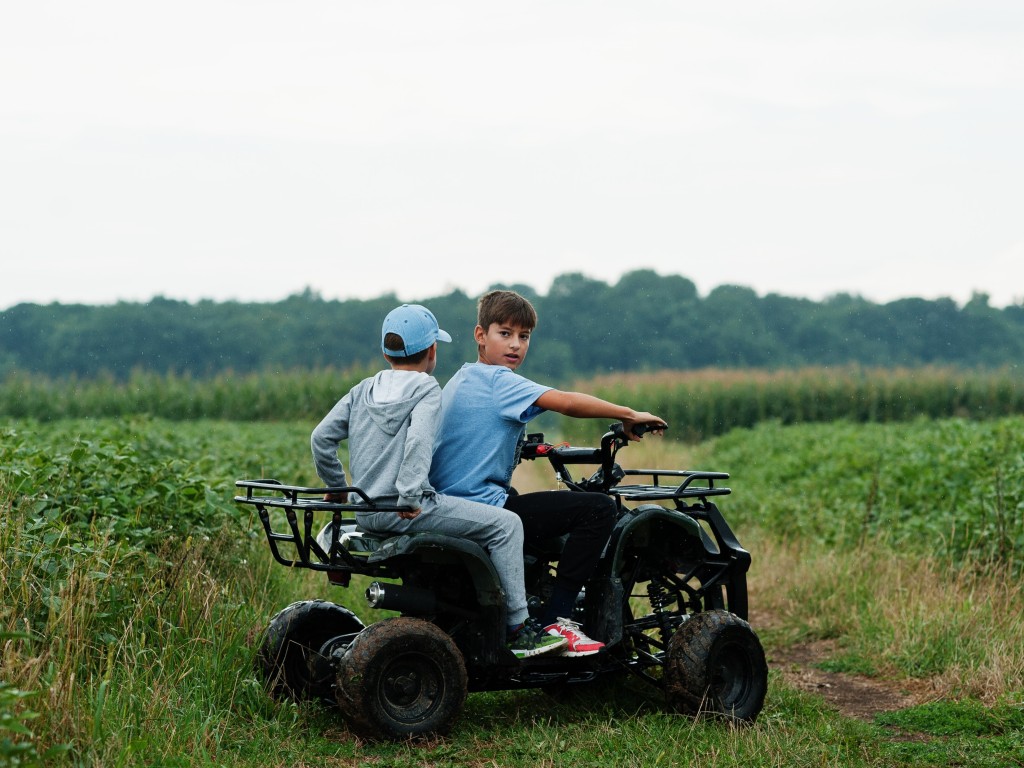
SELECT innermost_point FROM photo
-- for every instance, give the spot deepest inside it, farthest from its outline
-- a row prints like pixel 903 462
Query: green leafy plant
pixel 18 743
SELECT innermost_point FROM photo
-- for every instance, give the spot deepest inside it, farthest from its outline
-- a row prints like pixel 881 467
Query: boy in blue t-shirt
pixel 484 411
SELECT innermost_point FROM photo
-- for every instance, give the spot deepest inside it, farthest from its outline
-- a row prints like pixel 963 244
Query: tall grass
pixel 125 586
pixel 703 404
pixel 271 396
pixel 957 626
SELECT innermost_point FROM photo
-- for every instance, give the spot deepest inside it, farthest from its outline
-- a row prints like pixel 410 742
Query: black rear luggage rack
pixel 337 560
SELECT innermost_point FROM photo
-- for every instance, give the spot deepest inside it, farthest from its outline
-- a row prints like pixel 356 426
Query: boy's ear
pixel 479 333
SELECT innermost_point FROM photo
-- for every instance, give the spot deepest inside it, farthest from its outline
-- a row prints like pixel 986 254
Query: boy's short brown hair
pixel 505 308
pixel 397 343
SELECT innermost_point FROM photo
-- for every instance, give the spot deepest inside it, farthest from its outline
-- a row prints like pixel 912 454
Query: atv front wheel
pixel 294 657
pixel 715 665
pixel 401 677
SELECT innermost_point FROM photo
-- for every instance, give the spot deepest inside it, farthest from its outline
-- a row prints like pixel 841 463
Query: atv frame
pixel 668 599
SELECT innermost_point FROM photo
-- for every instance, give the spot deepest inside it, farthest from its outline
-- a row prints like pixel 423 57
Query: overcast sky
pixel 248 150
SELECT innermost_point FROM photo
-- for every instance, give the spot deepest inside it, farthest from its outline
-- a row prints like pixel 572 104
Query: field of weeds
pixel 886 558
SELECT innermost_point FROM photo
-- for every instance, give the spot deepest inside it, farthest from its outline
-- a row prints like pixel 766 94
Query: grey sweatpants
pixel 497 530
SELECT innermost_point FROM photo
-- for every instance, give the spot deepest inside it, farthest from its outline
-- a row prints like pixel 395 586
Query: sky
pixel 248 150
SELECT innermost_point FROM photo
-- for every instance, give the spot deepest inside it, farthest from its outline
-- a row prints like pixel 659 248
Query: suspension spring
pixel 659 595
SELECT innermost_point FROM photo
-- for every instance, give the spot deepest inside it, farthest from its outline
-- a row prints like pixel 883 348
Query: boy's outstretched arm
pixel 583 406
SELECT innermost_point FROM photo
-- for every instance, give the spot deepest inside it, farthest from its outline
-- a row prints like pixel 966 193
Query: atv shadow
pixel 618 697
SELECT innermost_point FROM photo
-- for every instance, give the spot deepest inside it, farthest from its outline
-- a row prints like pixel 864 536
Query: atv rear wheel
pixel 401 677
pixel 715 665
pixel 294 657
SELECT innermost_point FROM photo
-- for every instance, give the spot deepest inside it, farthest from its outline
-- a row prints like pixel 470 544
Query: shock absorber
pixel 658 595
pixel 661 598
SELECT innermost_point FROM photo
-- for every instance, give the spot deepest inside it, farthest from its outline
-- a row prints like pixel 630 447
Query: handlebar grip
pixel 642 429
pixel 639 430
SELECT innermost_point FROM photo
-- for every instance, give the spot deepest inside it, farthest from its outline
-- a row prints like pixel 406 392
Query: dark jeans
pixel 588 518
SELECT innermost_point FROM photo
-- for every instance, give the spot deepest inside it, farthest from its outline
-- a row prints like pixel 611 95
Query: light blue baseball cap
pixel 416 325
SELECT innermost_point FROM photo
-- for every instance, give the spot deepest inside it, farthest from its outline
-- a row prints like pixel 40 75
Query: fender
pixel 658 533
pixel 641 518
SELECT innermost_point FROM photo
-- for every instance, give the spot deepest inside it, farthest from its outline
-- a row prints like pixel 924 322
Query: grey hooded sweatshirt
pixel 389 421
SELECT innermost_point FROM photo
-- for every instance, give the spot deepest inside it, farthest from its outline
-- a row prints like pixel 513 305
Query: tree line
pixel 645 321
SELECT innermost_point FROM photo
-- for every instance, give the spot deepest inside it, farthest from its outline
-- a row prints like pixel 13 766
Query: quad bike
pixel 669 600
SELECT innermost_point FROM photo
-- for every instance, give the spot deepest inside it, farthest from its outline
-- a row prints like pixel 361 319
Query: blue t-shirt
pixel 484 411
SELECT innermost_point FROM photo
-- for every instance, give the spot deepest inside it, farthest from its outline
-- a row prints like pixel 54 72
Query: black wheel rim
pixel 300 665
pixel 731 676
pixel 411 689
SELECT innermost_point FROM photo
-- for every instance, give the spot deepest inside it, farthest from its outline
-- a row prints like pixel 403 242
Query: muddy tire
pixel 401 678
pixel 716 666
pixel 294 656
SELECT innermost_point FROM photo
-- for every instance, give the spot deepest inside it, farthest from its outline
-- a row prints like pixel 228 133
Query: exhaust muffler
pixel 402 598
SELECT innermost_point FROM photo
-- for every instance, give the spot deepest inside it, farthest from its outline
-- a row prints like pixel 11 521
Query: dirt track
pixel 851 695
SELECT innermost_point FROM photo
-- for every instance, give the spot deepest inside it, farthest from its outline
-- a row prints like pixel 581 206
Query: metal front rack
pixel 656 490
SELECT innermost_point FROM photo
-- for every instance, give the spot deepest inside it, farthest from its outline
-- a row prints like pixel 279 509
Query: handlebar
pixel 610 474
pixel 534 446
pixel 639 430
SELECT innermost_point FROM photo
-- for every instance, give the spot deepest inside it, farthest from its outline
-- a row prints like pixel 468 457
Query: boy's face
pixel 502 344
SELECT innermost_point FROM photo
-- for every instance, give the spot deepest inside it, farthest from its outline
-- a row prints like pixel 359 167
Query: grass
pixel 959 733
pixel 128 650
pixel 959 628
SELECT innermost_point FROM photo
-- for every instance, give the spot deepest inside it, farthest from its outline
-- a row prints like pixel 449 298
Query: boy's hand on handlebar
pixel 337 498
pixel 643 423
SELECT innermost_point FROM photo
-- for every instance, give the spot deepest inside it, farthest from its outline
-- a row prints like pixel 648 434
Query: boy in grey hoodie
pixel 390 420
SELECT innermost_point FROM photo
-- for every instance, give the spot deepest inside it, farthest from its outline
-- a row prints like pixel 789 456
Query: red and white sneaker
pixel 579 644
